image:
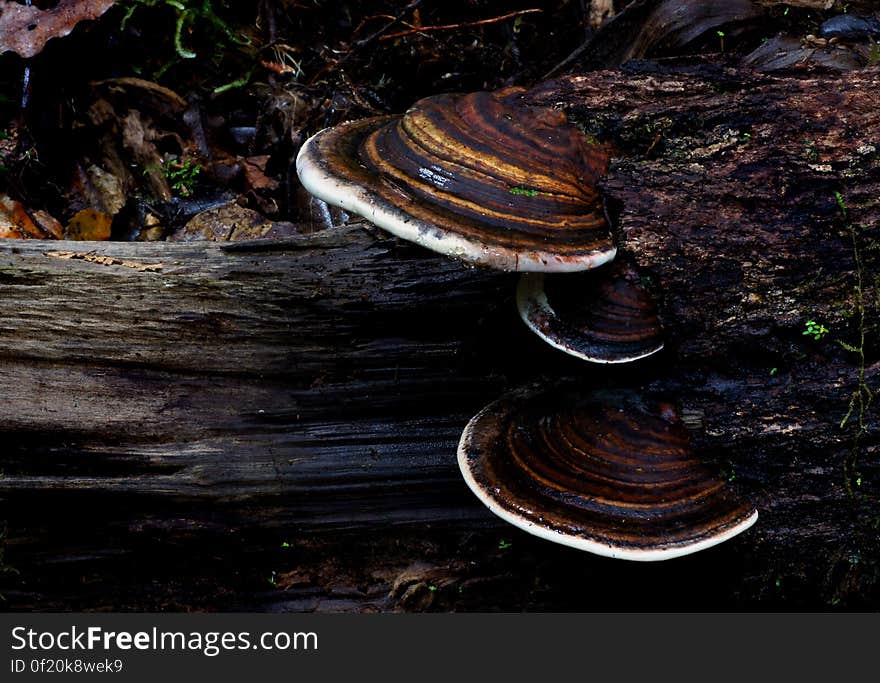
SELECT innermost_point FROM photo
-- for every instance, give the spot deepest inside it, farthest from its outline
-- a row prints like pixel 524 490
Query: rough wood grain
pixel 272 425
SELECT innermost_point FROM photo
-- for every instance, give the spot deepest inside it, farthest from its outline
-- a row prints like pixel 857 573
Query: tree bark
pixel 273 425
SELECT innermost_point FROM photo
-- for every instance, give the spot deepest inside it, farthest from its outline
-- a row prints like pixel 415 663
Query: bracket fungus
pixel 602 316
pixel 483 177
pixel 495 182
pixel 609 473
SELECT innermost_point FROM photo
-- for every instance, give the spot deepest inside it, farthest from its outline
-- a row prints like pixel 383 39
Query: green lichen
pixel 181 174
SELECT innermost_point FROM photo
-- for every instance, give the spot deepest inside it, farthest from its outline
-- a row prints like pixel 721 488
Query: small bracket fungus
pixel 482 177
pixel 609 473
pixel 603 316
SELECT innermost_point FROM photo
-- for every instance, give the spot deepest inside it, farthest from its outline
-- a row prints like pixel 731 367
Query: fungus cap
pixel 602 316
pixel 482 177
pixel 608 473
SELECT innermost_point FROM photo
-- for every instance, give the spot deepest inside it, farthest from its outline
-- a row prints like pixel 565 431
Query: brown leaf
pixel 231 222
pixel 16 222
pixel 48 224
pixel 88 225
pixel 138 138
pixel 108 192
pixel 26 29
pixel 147 94
pixel 255 173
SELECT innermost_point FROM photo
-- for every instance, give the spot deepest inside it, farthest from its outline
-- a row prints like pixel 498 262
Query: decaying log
pixel 272 425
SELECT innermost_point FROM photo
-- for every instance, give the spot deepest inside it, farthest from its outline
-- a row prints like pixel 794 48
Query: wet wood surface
pixel 272 425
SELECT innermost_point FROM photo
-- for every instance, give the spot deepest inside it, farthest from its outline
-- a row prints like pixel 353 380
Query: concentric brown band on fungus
pixel 482 177
pixel 602 316
pixel 609 473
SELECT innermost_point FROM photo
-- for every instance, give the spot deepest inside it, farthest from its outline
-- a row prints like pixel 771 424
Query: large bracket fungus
pixel 495 182
pixel 498 183
pixel 482 177
pixel 609 473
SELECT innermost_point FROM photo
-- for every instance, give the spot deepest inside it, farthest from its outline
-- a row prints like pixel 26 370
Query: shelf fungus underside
pixel 608 473
pixel 482 177
pixel 602 316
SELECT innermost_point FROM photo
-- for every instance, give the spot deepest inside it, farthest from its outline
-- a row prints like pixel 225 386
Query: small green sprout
pixel 285 544
pixel 504 544
pixel 815 330
pixel 774 372
pixel 720 35
pixel 840 203
pixel 432 588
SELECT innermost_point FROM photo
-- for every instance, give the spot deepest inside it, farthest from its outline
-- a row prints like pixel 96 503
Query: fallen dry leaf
pixel 254 169
pixel 26 29
pixel 148 94
pixel 107 190
pixel 222 223
pixel 233 223
pixel 16 222
pixel 89 225
pixel 49 224
pixel 139 137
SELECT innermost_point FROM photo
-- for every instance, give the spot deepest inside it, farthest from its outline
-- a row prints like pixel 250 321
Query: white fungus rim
pixel 354 197
pixel 530 295
pixel 581 542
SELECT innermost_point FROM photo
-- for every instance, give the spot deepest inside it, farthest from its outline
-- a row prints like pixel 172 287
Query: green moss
pixel 181 175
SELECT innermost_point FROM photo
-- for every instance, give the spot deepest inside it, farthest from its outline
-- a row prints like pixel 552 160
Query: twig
pixel 370 38
pixel 366 41
pixel 373 17
pixel 578 51
pixel 450 27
